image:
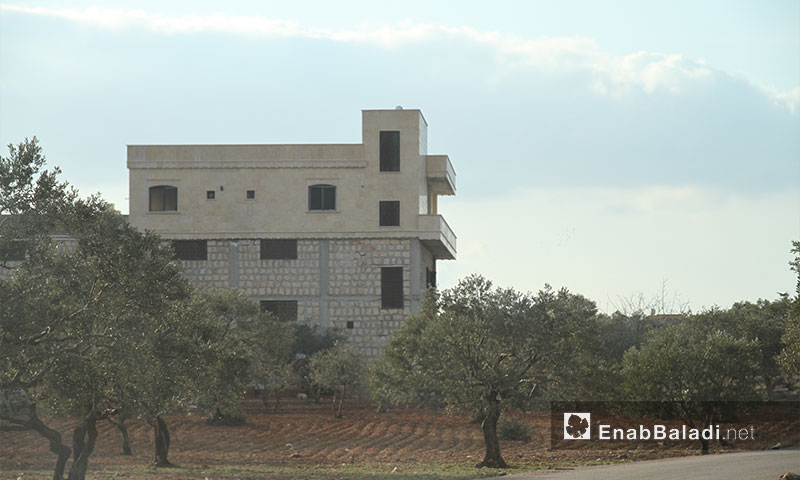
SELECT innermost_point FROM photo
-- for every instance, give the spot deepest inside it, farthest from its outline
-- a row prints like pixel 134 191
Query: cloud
pixel 613 75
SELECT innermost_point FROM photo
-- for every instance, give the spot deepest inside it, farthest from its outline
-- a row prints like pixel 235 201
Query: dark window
pixel 163 198
pixel 14 251
pixel 251 194
pixel 190 249
pixel 430 278
pixel 284 310
pixel 278 249
pixel 322 197
pixel 211 194
pixel 392 287
pixel 390 213
pixel 390 151
pixel 349 324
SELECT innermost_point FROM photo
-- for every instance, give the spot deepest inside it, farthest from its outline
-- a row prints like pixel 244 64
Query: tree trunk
pixel 277 400
pixel 78 441
pixel 161 437
pixel 123 429
pixel 84 439
pixel 264 394
pixel 333 403
pixel 770 383
pixel 54 437
pixel 341 401
pixel 703 447
pixel 492 458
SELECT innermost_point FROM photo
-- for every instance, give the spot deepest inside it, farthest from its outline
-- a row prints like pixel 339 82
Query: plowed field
pixel 303 437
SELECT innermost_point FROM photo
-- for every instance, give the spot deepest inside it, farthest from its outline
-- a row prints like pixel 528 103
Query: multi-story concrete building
pixel 343 235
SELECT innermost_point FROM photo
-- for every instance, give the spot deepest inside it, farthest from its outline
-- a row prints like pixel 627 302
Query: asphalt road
pixel 759 465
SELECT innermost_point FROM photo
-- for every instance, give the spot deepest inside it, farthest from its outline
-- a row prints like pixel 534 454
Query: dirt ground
pixel 303 434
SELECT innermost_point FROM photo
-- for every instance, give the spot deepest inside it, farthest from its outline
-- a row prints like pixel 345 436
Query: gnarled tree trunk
pixel 56 445
pixel 123 429
pixel 53 437
pixel 161 436
pixel 84 440
pixel 492 458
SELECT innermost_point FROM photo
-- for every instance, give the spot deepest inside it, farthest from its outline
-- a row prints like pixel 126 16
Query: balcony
pixel 437 236
pixel 441 175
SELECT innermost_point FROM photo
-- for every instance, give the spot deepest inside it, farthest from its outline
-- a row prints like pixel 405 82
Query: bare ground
pixel 303 435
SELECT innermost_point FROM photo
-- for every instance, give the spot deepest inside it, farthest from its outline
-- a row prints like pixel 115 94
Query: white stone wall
pixel 272 278
pixel 345 288
pixel 355 289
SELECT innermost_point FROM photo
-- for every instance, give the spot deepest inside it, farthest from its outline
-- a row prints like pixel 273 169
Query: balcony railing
pixel 441 174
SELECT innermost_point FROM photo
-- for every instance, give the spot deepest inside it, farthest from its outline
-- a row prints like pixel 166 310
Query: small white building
pixel 342 235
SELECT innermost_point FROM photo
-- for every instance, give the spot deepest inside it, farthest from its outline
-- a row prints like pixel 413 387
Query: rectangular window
pixel 163 198
pixel 389 213
pixel 272 249
pixel 211 194
pixel 349 324
pixel 390 151
pixel 392 287
pixel 284 310
pixel 190 249
pixel 251 194
pixel 430 278
pixel 321 197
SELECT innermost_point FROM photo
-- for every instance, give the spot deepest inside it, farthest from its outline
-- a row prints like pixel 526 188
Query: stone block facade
pixel 334 282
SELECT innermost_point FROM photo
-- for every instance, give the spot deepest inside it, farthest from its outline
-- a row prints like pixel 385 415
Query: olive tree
pixel 339 369
pixel 243 346
pixel 692 371
pixel 85 320
pixel 481 350
pixel 76 321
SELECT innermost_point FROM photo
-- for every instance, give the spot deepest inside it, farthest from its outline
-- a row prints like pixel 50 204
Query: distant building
pixel 343 235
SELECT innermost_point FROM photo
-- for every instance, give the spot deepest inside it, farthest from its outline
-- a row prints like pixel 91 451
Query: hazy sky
pixel 616 148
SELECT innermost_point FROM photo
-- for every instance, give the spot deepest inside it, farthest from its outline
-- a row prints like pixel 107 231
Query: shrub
pixel 513 429
pixel 220 419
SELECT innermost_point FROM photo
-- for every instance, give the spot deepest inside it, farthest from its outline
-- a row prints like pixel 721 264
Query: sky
pixel 639 153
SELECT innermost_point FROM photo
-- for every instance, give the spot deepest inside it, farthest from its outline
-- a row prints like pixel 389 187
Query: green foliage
pixel 31 199
pixel 71 321
pixel 240 344
pixel 272 367
pixel 476 342
pixel 102 320
pixel 310 339
pixel 702 369
pixel 789 357
pixel 764 323
pixel 480 349
pixel 694 360
pixel 513 429
pixel 340 368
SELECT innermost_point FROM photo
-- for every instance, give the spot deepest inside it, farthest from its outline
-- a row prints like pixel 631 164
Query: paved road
pixel 760 465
